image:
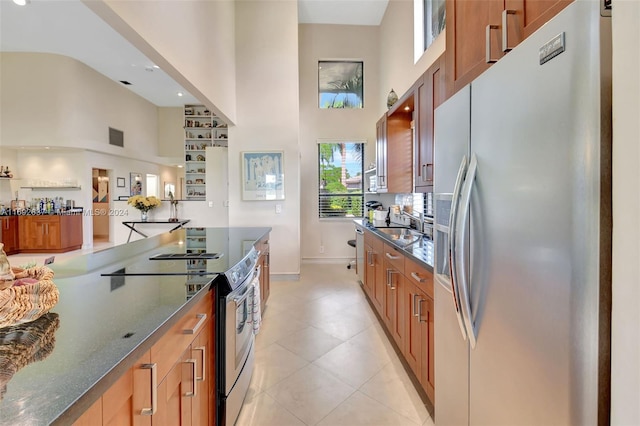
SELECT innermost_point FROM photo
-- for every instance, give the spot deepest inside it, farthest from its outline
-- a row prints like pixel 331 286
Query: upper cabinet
pixel 480 32
pixel 430 94
pixel 400 137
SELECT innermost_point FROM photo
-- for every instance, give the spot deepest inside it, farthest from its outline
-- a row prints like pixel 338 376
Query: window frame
pixel 341 61
pixel 323 213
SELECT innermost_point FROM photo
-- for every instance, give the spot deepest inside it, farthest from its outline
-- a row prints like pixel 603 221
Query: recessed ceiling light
pixel 179 166
pixel 407 108
pixel 156 67
pixel 47 147
pixel 180 94
pixel 21 2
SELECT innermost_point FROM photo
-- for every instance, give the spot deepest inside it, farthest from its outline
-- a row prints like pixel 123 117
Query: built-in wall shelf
pixel 51 188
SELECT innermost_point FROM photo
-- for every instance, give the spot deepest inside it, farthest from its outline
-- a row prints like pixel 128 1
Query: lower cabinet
pixel 55 233
pixel 9 233
pixel 171 384
pixel 265 283
pixel 405 305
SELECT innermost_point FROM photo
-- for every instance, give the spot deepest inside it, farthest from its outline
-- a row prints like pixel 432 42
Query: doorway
pixel 101 201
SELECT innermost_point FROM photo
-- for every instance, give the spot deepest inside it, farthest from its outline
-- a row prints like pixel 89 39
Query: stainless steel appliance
pixel 235 353
pixel 522 233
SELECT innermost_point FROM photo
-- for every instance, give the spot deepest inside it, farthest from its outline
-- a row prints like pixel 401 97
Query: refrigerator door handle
pixel 461 255
pixel 452 243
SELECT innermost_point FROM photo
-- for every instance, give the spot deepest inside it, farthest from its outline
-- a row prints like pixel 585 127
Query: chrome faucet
pixel 419 219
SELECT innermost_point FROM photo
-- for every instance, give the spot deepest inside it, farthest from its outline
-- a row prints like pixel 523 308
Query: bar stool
pixel 352 243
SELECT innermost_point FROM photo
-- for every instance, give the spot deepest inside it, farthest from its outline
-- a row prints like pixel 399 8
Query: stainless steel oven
pixel 235 353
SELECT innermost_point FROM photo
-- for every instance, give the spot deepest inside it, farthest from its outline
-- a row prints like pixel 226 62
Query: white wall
pixel 192 41
pixel 54 100
pixel 268 119
pixel 625 362
pixel 342 42
pixel 397 69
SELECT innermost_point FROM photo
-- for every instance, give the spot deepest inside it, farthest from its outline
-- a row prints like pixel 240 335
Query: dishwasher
pixel 360 252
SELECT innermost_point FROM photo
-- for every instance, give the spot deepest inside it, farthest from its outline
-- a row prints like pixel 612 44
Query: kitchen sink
pixel 402 236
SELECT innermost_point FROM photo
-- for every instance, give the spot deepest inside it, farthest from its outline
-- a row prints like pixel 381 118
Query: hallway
pixel 323 359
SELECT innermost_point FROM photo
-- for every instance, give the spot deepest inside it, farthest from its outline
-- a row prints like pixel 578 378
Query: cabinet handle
pixel 203 358
pixel 416 277
pixel 488 43
pixel 391 256
pixel 193 392
pixel 505 31
pixel 414 311
pixel 370 258
pixel 390 273
pixel 420 310
pixel 425 169
pixel 201 319
pixel 154 389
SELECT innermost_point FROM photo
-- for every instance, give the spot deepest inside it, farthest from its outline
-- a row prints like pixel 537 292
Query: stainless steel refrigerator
pixel 523 233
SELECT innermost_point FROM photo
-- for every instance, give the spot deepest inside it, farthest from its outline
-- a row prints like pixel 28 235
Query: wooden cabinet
pixel 56 233
pixel 400 137
pixel 405 305
pixel 171 384
pixel 475 33
pixel 419 343
pixel 431 93
pixel 381 154
pixel 9 233
pixel 263 262
pixel 374 272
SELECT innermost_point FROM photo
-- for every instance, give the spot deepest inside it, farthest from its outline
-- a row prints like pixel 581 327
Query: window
pixel 340 84
pixel 429 21
pixel 341 193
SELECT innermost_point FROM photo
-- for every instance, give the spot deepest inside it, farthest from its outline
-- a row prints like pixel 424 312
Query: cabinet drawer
pixel 394 256
pixel 373 241
pixel 168 349
pixel 419 275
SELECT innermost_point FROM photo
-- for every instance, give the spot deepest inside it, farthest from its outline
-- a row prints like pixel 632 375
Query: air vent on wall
pixel 116 137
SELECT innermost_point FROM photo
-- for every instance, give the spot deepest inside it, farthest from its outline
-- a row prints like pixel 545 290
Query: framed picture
pixel 120 182
pixel 263 175
pixel 169 188
pixel 135 179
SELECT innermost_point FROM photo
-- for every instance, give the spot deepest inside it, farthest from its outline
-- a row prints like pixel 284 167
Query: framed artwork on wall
pixel 135 179
pixel 120 182
pixel 262 175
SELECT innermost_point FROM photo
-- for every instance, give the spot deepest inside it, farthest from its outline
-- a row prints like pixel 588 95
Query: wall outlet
pixel 210 203
pixel 278 208
pixel 321 249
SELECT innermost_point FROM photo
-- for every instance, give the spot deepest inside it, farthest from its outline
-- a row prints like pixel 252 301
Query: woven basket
pixel 24 303
pixel 23 344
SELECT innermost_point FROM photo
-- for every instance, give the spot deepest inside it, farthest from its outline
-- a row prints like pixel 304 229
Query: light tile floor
pixel 322 358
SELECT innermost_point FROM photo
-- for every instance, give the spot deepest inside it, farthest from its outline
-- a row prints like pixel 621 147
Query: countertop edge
pixel 366 225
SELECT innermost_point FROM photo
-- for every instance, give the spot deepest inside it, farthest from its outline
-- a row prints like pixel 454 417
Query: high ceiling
pixel 69 28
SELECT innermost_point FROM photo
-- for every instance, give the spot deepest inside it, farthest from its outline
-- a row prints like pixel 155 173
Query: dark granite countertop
pixel 420 251
pixel 102 324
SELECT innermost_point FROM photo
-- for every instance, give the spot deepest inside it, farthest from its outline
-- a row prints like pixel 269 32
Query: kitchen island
pixel 103 325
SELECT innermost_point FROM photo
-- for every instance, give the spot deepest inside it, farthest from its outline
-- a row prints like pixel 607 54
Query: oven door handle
pixel 247 292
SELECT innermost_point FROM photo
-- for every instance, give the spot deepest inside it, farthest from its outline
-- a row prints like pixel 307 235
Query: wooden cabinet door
pixel 393 314
pixel 427 366
pixel 174 394
pixel 202 353
pixel 413 329
pixel 466 52
pixel 369 270
pixel 117 402
pixel 379 282
pixel 526 16
pixel 381 154
pixel 52 233
pixel 9 233
pixel 430 95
